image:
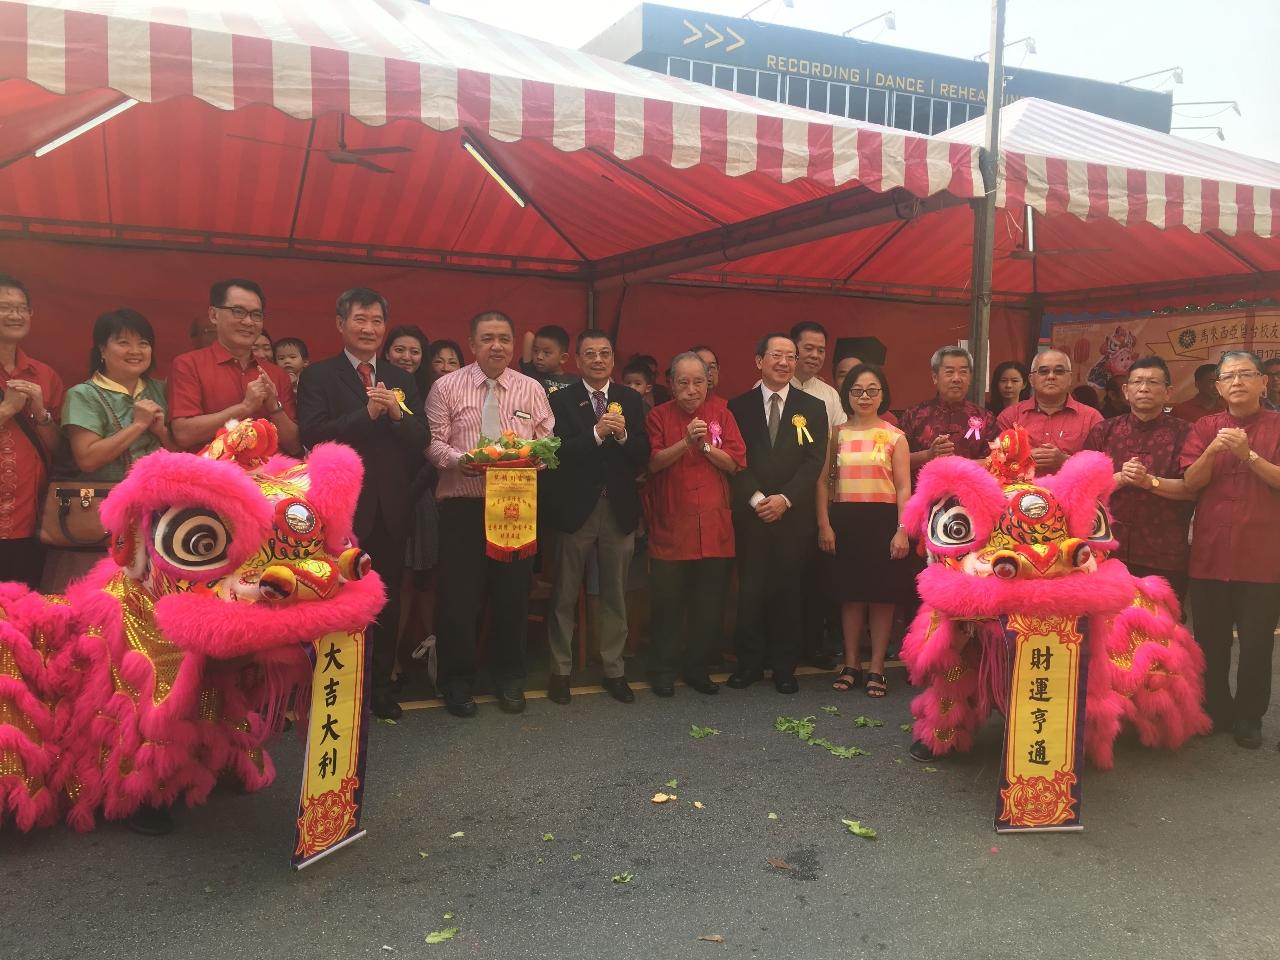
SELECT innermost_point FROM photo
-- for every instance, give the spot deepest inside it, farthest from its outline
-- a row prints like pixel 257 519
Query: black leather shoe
pixel 745 678
pixel 511 699
pixel 786 683
pixel 618 689
pixel 461 706
pixel 920 752
pixel 558 689
pixel 151 821
pixel 702 684
pixel 663 688
pixel 384 707
pixel 1248 734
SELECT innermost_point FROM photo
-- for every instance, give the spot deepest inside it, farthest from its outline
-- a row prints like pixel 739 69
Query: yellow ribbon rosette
pixel 803 435
pixel 614 407
pixel 879 450
pixel 400 400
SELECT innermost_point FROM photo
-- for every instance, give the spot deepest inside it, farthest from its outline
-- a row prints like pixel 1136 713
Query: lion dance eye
pixel 191 538
pixel 950 524
pixel 1101 526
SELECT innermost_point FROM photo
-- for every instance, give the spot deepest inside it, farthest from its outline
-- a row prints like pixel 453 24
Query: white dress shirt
pixel 765 394
pixel 591 400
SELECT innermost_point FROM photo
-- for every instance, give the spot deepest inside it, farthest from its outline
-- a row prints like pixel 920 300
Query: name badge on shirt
pixel 520 414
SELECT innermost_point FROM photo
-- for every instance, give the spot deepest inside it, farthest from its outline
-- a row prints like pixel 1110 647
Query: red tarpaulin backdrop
pixel 72 283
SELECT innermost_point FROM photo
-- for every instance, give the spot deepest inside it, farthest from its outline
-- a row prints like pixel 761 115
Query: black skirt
pixel 861 570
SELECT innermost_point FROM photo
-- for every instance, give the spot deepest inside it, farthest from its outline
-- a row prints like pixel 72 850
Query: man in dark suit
pixel 359 399
pixel 774 517
pixel 593 502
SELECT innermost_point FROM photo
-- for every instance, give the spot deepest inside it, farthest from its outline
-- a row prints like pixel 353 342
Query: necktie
pixel 366 374
pixel 597 401
pixel 490 421
pixel 775 414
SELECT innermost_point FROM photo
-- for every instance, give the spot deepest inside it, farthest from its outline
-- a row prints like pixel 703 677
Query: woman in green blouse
pixel 118 415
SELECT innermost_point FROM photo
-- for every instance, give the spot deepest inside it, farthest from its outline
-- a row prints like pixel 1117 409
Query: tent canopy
pixel 628 175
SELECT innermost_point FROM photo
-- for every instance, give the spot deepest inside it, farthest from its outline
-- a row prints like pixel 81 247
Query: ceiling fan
pixel 355 156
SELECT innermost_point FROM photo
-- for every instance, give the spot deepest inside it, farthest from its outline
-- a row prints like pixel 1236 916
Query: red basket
pixel 508 464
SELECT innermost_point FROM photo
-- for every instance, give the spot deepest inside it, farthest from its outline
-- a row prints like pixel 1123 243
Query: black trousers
pixel 1176 579
pixel 385 544
pixel 1253 609
pixel 22 561
pixel 770 596
pixel 686 598
pixel 466 574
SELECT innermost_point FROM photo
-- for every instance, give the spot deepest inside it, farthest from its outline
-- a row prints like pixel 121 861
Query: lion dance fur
pixel 1000 541
pixel 173 660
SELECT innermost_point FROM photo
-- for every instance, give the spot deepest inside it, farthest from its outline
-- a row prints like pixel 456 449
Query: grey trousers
pixel 614 549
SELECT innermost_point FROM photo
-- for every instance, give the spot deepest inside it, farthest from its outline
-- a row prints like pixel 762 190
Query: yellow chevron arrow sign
pixel 694 33
pixel 719 36
pixel 739 41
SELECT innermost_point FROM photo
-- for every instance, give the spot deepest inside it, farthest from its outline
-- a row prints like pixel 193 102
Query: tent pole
pixel 984 211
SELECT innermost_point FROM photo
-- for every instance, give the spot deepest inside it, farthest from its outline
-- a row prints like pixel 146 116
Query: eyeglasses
pixel 1244 375
pixel 871 392
pixel 240 313
pixel 1149 384
pixel 1051 371
pixel 775 356
pixel 597 355
pixel 14 310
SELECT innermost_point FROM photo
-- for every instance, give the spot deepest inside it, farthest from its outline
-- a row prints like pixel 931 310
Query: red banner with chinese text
pixel 333 770
pixel 1044 729
pixel 1104 348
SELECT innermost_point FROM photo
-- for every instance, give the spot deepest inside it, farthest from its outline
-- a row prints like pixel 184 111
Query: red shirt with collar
pixel 22 476
pixel 210 379
pixel 1236 535
pixel 1066 429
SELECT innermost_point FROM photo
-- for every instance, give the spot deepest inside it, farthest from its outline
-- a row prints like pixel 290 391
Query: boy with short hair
pixel 638 375
pixel 544 356
pixel 291 356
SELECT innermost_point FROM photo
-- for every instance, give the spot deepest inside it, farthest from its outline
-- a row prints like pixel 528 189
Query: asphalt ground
pixel 1178 857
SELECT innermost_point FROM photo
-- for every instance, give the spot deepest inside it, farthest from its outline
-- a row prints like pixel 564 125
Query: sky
pixel 1228 49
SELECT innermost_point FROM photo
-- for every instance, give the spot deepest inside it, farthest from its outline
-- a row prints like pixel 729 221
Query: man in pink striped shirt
pixel 485 397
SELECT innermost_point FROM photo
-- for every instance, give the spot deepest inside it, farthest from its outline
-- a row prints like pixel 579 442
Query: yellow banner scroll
pixel 511 512
pixel 333 772
pixel 1043 731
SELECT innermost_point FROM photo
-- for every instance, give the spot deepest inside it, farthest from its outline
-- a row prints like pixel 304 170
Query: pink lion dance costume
pixel 173 659
pixel 1000 543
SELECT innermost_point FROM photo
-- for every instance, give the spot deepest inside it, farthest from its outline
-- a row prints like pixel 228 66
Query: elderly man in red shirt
pixel 28 437
pixel 223 381
pixel 1058 425
pixel 1233 459
pixel 948 423
pixel 1151 507
pixel 695 447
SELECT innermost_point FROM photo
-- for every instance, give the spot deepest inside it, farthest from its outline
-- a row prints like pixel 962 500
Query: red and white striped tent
pixel 238 159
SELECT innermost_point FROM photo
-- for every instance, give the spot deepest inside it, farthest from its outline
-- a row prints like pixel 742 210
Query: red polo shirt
pixel 1236 535
pixel 209 380
pixel 1066 429
pixel 22 477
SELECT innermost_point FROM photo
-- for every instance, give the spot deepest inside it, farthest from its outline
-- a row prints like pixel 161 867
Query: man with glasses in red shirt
pixel 32 397
pixel 1233 460
pixel 224 382
pixel 1057 424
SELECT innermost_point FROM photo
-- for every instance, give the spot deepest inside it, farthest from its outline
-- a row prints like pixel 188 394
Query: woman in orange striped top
pixel 860 497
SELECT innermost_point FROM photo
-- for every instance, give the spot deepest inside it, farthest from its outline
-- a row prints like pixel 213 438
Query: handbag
pixel 69 518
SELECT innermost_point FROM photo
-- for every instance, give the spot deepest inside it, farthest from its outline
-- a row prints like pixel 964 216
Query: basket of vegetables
pixel 510 451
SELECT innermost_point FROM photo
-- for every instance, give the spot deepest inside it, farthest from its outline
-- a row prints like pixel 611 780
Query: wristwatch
pixel 1155 482
pixel 1253 456
pixel 48 419
pixel 706 447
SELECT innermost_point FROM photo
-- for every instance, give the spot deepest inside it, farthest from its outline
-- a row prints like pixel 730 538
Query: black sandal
pixel 847 679
pixel 877 686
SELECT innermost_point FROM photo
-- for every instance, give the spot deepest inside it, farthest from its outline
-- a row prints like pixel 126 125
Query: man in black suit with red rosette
pixel 373 406
pixel 592 501
pixel 774 514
